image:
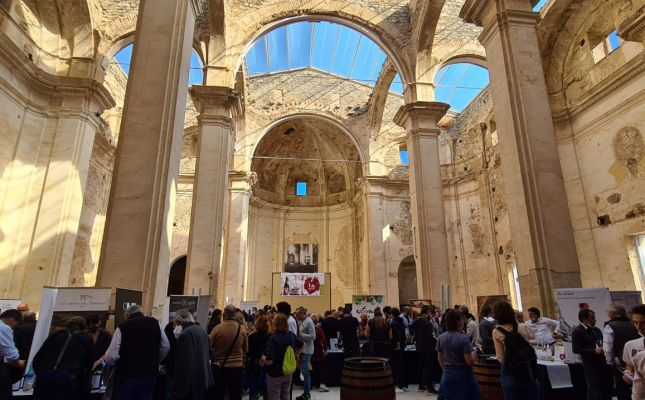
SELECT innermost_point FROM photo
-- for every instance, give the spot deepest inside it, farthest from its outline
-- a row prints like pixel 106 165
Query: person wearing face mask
pixel 193 374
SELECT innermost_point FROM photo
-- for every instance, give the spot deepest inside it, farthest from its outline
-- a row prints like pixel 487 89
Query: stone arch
pixel 254 24
pixel 177 276
pixel 338 124
pixel 407 274
pixel 476 59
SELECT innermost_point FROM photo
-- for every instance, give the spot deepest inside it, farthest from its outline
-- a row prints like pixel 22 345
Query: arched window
pixel 458 84
pixel 195 76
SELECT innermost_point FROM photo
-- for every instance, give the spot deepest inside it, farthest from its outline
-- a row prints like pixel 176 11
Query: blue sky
pixel 124 56
pixel 342 51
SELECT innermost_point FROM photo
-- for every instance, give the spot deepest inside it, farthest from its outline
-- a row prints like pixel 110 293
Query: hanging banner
pixel 301 258
pixel 366 304
pixel 301 284
pixel 627 298
pixel 182 302
pixel 9 304
pixel 123 299
pixel 249 306
pixel 570 301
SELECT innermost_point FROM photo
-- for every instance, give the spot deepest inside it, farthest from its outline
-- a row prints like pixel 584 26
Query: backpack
pixel 289 361
pixel 519 356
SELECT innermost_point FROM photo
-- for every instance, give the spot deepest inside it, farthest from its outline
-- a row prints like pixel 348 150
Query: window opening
pixel 605 47
pixel 404 156
pixel 301 188
pixel 516 284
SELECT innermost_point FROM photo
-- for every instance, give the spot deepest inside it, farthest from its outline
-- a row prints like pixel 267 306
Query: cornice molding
pixel 227 101
pixel 48 84
pixel 411 115
pixel 633 28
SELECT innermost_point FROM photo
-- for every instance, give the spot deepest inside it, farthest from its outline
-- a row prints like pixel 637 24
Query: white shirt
pixel 541 329
pixel 8 349
pixel 631 349
pixel 293 325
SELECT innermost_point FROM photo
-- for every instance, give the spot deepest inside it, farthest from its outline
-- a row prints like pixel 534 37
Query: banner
pixel 182 302
pixel 9 304
pixel 301 284
pixel 627 298
pixel 203 306
pixel 366 303
pixel 123 299
pixel 301 257
pixel 83 299
pixel 249 306
pixel 570 301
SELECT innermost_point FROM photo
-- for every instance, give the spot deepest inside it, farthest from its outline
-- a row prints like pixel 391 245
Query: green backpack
pixel 289 362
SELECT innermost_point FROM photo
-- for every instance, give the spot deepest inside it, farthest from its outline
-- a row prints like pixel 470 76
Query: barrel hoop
pixel 366 377
pixel 365 388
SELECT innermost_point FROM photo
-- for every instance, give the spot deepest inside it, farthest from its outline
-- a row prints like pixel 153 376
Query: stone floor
pixel 334 394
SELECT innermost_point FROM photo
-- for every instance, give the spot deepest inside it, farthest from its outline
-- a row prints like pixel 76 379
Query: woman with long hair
pixel 379 335
pixel 456 357
pixel 278 385
pixel 512 387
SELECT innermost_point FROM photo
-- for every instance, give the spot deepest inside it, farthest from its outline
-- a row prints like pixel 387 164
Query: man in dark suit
pixel 193 374
pixel 587 342
pixel 23 335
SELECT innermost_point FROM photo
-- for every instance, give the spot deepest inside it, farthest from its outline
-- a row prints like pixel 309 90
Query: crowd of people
pixel 276 353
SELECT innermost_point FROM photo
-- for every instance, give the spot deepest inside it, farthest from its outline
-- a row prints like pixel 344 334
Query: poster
pixel 570 301
pixel 250 306
pixel 301 258
pixel 203 306
pixel 627 298
pixel 182 303
pixel 416 304
pixel 9 304
pixel 366 303
pixel 489 301
pixel 123 299
pixel 301 284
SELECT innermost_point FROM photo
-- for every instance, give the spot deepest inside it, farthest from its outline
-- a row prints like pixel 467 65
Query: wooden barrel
pixel 366 378
pixel 488 373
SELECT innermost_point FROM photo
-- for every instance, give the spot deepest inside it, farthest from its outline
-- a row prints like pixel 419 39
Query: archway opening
pixel 177 277
pixel 195 77
pixel 407 280
pixel 458 84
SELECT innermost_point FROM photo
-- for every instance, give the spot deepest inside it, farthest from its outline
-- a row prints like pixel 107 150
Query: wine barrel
pixel 367 378
pixel 488 373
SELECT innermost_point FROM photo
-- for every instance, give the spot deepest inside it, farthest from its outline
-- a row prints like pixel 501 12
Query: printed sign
pixel 301 258
pixel 83 299
pixel 183 302
pixel 249 306
pixel 301 284
pixel 9 304
pixel 366 304
pixel 124 298
pixel 627 298
pixel 569 302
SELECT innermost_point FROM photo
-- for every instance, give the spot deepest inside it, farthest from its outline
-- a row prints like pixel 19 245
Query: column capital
pixel 216 101
pixel 420 115
pixel 238 179
pixel 474 11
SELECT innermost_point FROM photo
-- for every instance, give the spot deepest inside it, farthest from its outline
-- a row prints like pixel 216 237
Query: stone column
pixel 217 106
pixel 235 270
pixel 537 205
pixel 426 193
pixel 375 225
pixel 135 249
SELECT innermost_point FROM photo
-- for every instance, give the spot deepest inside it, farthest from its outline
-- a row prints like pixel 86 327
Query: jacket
pixel 221 339
pixel 193 374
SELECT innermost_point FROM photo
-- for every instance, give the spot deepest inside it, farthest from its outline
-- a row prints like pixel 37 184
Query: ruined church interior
pixel 415 149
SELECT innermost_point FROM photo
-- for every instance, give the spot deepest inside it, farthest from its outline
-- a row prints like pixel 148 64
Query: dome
pixel 310 151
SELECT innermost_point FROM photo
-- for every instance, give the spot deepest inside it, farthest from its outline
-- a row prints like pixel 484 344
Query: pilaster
pixel 217 106
pixel 426 193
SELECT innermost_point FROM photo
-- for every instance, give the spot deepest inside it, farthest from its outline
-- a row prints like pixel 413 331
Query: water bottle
pixel 30 377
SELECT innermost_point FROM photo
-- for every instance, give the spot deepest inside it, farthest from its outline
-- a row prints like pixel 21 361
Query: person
pixel 278 384
pixel 23 308
pixel 423 331
pixel 193 374
pixel 215 319
pixel 23 335
pixel 100 337
pixel 632 349
pixel 329 325
pixel 486 326
pixel 618 331
pixel 348 333
pixel 456 358
pixel 63 364
pixel 230 342
pixel 319 366
pixel 306 333
pixel 586 341
pixel 380 335
pixel 255 378
pixel 137 347
pixel 9 319
pixel 362 327
pixel 513 387
pixel 399 340
pixel 541 328
pixel 285 308
pixel 472 329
